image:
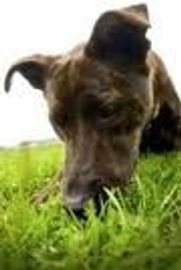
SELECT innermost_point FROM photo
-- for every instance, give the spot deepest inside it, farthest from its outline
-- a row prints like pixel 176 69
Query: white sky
pixel 54 26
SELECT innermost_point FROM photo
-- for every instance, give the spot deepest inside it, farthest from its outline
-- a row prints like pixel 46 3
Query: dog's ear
pixel 33 68
pixel 121 35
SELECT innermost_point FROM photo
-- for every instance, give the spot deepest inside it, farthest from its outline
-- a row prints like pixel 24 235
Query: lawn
pixel 138 230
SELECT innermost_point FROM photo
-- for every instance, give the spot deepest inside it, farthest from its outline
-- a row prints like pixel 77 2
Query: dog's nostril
pixel 75 205
pixel 79 213
pixel 74 202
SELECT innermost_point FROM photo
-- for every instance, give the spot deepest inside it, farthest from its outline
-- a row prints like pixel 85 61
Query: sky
pixel 54 27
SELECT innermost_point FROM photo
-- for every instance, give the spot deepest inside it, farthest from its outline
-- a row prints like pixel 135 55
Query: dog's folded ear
pixel 121 35
pixel 33 68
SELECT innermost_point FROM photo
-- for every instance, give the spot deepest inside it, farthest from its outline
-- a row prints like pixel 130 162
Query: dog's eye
pixel 108 111
pixel 105 112
pixel 97 111
pixel 102 112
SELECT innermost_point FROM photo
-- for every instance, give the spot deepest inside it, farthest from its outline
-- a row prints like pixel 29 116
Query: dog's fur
pixel 107 99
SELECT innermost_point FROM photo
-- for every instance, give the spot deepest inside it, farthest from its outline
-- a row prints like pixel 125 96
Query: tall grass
pixel 138 230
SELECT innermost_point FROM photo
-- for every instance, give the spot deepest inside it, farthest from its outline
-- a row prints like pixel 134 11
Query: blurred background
pixel 55 26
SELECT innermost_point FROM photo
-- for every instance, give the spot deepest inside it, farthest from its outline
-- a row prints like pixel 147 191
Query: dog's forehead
pixel 75 75
pixel 75 71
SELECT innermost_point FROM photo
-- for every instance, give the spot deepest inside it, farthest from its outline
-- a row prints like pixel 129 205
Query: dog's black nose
pixel 75 206
pixel 79 213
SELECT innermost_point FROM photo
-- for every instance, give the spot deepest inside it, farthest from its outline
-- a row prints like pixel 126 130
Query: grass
pixel 140 230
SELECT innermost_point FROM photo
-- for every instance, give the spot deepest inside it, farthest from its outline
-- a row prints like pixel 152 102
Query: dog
pixel 109 99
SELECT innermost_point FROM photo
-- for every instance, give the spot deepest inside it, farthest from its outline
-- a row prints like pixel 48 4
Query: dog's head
pixel 99 100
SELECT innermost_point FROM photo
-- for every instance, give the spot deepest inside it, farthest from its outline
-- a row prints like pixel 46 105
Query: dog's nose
pixel 75 205
pixel 74 202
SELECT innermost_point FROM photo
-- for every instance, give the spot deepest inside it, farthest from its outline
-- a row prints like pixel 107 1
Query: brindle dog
pixel 108 99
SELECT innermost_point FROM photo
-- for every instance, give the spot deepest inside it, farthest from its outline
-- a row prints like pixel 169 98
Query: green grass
pixel 140 230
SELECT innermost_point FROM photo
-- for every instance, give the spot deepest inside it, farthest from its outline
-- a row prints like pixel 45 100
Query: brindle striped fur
pixel 107 99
